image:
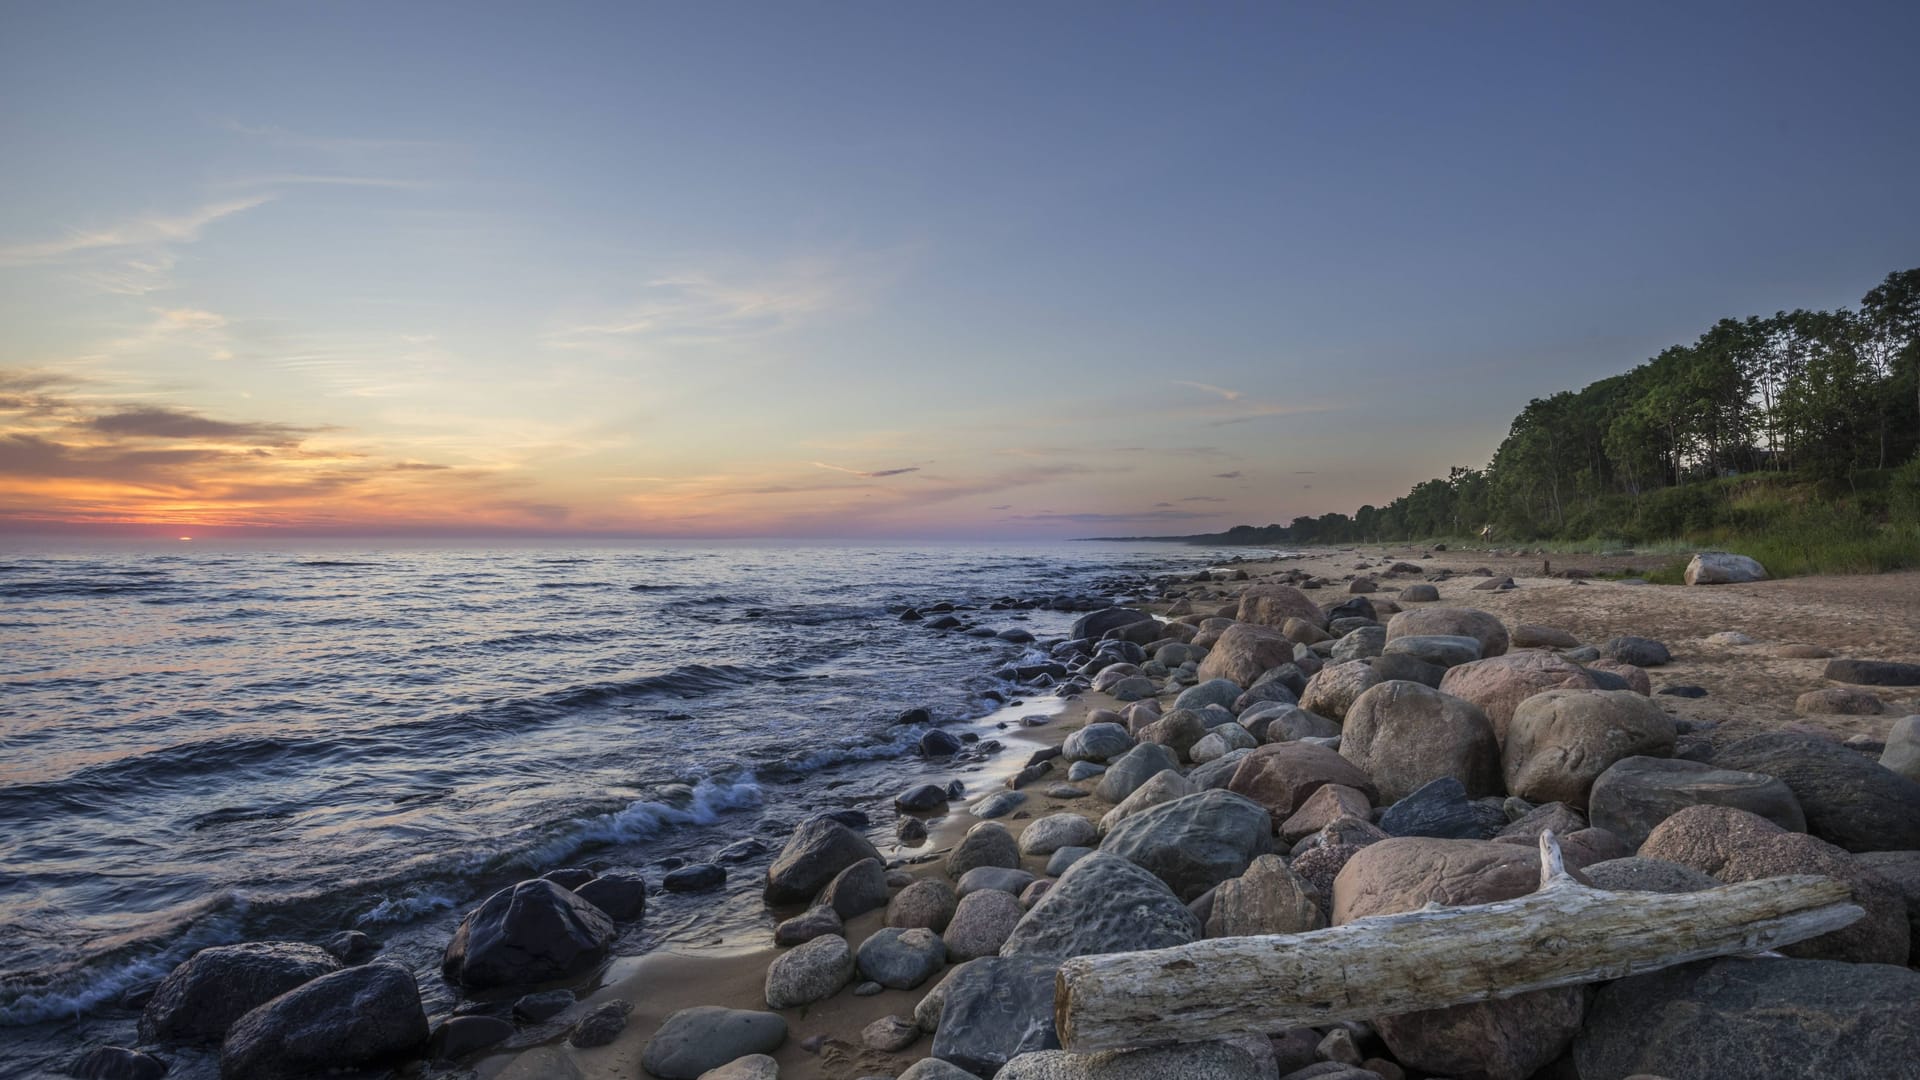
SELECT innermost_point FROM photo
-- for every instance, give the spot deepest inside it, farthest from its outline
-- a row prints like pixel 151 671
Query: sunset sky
pixel 885 269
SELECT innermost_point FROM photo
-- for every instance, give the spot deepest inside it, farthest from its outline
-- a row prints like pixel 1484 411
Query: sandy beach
pixel 1748 689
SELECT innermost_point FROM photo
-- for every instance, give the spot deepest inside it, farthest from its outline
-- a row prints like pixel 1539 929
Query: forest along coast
pixel 1385 740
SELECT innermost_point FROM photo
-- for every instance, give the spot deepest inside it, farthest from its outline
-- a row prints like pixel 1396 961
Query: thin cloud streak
pixel 152 230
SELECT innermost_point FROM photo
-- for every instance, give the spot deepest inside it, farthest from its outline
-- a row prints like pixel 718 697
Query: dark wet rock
pixel 938 743
pixel 601 1026
pixel 695 1040
pixel 621 894
pixel 1751 1018
pixel 819 849
pixel 858 889
pixel 571 877
pixel 1001 803
pixel 1849 799
pixel 809 973
pixel 1442 809
pixel 1103 903
pixel 1095 625
pixel 1684 691
pixel 203 996
pixel 921 798
pixel 532 932
pixel 117 1063
pixel 545 1005
pixel 902 959
pixel 1638 651
pixel 911 832
pixel 740 851
pixel 1440 650
pixel 994 1009
pixel 1196 842
pixel 349 946
pixel 358 1017
pixel 699 877
pixel 1873 672
pixel 459 1037
pixel 1635 794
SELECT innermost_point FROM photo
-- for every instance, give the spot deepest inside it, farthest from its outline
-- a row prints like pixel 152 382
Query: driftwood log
pixel 1565 933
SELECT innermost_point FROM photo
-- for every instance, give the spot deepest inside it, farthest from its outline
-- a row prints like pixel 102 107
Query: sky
pixel 885 270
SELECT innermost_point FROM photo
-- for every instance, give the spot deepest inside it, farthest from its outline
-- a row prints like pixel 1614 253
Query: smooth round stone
pixel 1062 858
pixel 998 804
pixel 1444 650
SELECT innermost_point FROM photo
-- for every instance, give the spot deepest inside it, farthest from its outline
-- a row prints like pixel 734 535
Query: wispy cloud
pixel 157 422
pixel 874 475
pixel 1234 475
pixel 150 230
pixel 1204 499
pixel 1223 392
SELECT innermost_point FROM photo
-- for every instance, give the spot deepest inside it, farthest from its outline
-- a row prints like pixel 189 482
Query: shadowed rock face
pixel 532 932
pixel 357 1017
pixel 1403 734
pixel 1739 1017
pixel 199 1000
pixel 818 849
pixel 1196 842
pixel 1638 793
pixel 695 1040
pixel 1103 904
pixel 1849 799
pixel 994 1009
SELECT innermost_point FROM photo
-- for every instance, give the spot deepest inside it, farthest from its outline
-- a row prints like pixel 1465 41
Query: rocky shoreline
pixel 1236 757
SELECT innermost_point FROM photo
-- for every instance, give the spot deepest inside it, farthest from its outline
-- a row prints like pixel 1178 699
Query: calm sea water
pixel 207 743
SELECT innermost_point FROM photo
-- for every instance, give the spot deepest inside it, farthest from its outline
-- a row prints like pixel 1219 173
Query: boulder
pixel 1162 787
pixel 1273 605
pixel 1734 845
pixel 1329 802
pixel 1755 1017
pixel 858 889
pixel 986 844
pixel 528 933
pixel 820 848
pixel 1839 700
pixel 1498 685
pixel 1333 688
pixel 1873 672
pixel 1280 776
pixel 1361 643
pixel 750 1067
pixel 1126 773
pixel 928 902
pixel 1213 691
pixel 1196 842
pixel 1559 742
pixel 812 972
pixel 1901 869
pixel 354 1018
pixel 1221 741
pixel 1001 803
pixel 995 879
pixel 1487 629
pixel 1614 675
pixel 921 798
pixel 706 1037
pixel 1722 568
pixel 1179 730
pixel 1637 651
pixel 937 743
pixel 1301 632
pixel 202 997
pixel 621 894
pixel 809 924
pixel 1637 793
pixel 902 959
pixel 1095 625
pixel 1097 742
pixel 925 1069
pixel 1419 594
pixel 1440 650
pixel 459 1037
pixel 1268 899
pixel 1902 752
pixel 994 1009
pixel 1442 809
pixel 1848 799
pixel 1055 831
pixel 1403 735
pixel 1103 904
pixel 983 922
pixel 1508 1039
pixel 1287 723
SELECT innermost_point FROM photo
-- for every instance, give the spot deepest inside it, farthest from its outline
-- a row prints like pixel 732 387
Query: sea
pixel 203 743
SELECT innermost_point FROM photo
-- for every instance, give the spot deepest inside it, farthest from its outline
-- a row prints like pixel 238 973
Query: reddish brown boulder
pixel 1498 685
pixel 1280 776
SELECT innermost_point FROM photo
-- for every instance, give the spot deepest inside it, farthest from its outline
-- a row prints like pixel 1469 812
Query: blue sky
pixel 887 269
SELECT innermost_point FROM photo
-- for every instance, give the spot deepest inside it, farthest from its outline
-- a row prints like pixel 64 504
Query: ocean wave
pixel 84 986
pixel 707 801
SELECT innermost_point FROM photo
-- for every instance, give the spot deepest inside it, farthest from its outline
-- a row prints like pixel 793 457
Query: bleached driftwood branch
pixel 1563 934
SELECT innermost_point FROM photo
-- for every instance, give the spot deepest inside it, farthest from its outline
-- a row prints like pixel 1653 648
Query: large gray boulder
pixel 986 844
pixel 1562 740
pixel 820 848
pixel 810 972
pixel 1481 626
pixel 1873 672
pixel 1755 1017
pixel 994 1009
pixel 1214 691
pixel 1095 624
pixel 1135 767
pixel 1162 787
pixel 1097 742
pixel 1849 799
pixel 1637 793
pixel 1334 688
pixel 1441 650
pixel 1403 735
pixel 528 933
pixel 1055 831
pixel 202 997
pixel 1103 904
pixel 858 889
pixel 903 959
pixel 1241 655
pixel 696 1040
pixel 1196 842
pixel 354 1018
pixel 1723 568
